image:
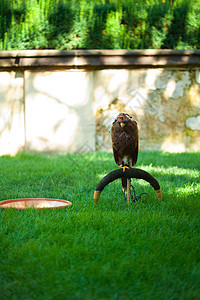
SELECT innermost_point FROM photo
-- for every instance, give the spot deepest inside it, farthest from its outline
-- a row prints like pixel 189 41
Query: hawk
pixel 124 135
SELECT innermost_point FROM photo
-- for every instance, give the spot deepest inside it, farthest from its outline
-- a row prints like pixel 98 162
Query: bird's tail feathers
pixel 124 183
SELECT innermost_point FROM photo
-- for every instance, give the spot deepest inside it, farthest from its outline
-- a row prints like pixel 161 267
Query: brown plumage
pixel 124 135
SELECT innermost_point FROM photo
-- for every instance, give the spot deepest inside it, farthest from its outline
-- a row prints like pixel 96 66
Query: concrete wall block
pixel 12 131
pixel 59 114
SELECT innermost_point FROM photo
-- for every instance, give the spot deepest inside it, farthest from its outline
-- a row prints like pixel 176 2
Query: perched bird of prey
pixel 124 135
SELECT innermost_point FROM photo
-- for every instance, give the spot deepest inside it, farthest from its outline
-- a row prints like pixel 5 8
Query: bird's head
pixel 122 119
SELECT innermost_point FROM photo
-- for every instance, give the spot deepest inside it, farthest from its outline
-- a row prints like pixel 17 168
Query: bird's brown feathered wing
pixel 125 143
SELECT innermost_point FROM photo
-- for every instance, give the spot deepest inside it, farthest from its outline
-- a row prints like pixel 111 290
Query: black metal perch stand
pixel 128 173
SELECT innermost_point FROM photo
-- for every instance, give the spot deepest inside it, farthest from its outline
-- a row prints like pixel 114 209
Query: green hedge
pixel 103 24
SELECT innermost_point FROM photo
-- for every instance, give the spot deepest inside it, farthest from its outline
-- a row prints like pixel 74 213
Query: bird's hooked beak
pixel 122 124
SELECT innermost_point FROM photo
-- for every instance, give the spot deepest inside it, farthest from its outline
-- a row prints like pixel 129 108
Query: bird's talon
pixel 124 168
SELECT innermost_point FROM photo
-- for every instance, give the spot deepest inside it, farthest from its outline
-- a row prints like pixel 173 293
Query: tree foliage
pixel 101 24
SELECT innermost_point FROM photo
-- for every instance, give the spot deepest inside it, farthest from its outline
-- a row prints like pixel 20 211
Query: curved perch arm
pixel 129 173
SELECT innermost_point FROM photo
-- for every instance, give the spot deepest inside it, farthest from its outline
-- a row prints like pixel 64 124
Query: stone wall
pixel 164 102
pixel 63 101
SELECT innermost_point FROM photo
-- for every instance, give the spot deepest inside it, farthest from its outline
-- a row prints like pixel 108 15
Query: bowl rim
pixel 68 203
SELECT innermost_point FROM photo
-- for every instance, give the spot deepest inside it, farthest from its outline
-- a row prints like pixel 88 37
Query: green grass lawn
pixel 150 250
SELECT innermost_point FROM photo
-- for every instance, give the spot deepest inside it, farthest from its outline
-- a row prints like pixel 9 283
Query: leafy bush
pixel 102 24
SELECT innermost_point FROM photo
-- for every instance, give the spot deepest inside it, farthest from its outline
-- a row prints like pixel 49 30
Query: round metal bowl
pixel 37 203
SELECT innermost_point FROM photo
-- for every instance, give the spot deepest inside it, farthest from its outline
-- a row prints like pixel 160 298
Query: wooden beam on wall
pixel 98 59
